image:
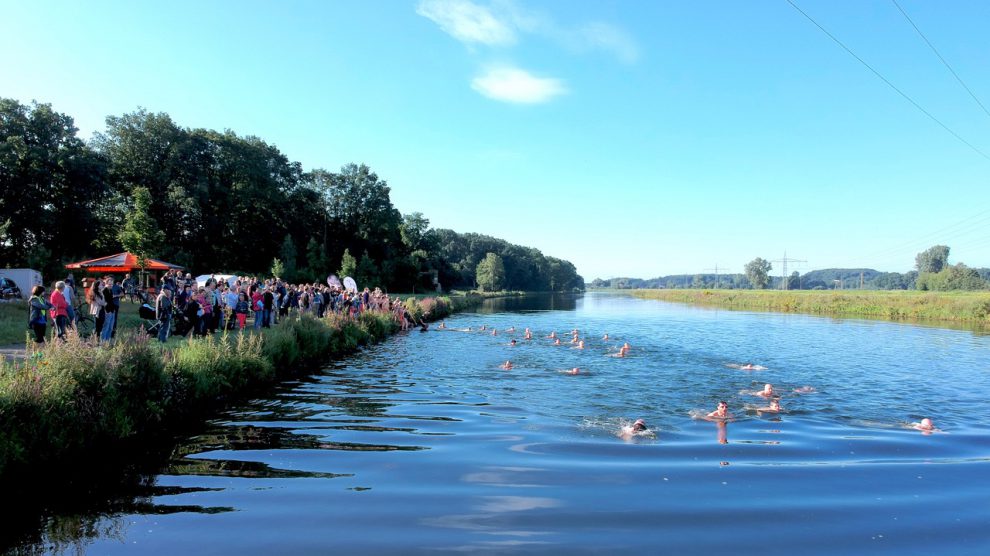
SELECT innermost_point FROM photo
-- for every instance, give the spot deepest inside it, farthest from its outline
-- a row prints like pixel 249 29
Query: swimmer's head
pixel 723 405
pixel 768 388
pixel 926 423
pixel 639 425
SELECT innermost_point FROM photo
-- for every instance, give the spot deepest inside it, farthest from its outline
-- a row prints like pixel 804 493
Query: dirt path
pixel 13 351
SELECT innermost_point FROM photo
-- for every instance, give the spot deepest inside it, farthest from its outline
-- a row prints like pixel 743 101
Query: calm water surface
pixel 424 445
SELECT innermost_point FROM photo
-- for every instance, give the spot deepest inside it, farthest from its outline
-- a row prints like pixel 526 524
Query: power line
pixel 783 271
pixel 959 229
pixel 891 85
pixel 944 62
pixel 716 274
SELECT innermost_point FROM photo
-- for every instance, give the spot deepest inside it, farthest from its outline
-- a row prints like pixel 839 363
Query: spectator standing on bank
pixel 59 312
pixel 163 312
pixel 37 318
pixel 110 308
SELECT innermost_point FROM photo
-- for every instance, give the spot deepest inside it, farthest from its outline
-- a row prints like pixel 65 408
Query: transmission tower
pixel 783 269
pixel 716 274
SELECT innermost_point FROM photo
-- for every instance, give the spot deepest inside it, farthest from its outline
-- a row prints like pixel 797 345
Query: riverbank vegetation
pixel 956 307
pixel 74 399
pixel 221 202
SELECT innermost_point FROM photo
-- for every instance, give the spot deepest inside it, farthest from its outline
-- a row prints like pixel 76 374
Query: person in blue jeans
pixel 111 310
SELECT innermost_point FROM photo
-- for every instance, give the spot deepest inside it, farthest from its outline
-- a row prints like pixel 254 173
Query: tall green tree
pixel 54 189
pixel 141 234
pixel 316 258
pixel 490 273
pixel 287 254
pixel 348 265
pixel 933 259
pixel 366 273
pixel 758 273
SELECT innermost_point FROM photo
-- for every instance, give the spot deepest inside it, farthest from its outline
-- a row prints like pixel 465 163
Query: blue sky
pixel 631 138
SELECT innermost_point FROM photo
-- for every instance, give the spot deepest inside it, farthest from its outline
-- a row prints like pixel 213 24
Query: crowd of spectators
pixel 184 306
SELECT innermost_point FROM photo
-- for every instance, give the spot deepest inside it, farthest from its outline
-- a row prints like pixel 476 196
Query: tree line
pixel 220 202
pixel 932 273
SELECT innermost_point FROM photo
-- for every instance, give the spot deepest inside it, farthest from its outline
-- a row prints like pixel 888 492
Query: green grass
pixel 971 308
pixel 73 398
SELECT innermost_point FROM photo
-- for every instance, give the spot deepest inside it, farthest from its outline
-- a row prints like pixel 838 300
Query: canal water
pixel 424 444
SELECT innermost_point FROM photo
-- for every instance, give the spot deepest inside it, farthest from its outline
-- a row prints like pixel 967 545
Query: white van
pixel 25 279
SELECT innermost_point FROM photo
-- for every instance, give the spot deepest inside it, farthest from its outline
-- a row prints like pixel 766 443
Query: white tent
pixel 229 278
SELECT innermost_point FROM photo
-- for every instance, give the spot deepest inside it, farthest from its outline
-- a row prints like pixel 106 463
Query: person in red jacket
pixel 60 309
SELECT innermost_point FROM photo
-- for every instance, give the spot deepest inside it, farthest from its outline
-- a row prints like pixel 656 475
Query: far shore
pixel 958 307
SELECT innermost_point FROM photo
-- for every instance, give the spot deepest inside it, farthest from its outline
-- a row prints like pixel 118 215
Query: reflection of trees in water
pixel 70 532
pixel 531 302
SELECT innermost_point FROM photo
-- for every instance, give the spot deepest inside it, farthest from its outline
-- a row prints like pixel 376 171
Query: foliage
pixel 933 259
pixel 366 272
pixel 287 254
pixel 141 235
pixel 758 273
pixel 54 187
pixel 348 264
pixel 490 273
pixel 277 268
pixel 958 277
pixel 223 199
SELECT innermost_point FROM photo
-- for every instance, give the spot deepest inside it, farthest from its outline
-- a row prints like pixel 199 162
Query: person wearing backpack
pixel 37 319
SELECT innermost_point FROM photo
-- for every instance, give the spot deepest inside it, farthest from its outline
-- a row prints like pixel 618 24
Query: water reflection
pixel 531 302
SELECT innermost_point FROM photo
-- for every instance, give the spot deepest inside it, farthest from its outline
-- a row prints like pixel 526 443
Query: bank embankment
pixel 70 401
pixel 971 308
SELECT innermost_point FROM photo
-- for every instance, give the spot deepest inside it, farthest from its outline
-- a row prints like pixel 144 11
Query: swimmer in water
pixel 626 432
pixel 441 326
pixel 556 342
pixel 926 426
pixel 605 337
pixel 805 390
pixel 574 371
pixel 767 392
pixel 721 412
pixel 529 335
pixel 574 339
pixel 621 353
pixel 483 327
pixel 513 342
pixel 580 345
pixel 774 407
pixel 507 365
pixel 552 335
pixel 510 329
pixel 494 332
pixel 626 347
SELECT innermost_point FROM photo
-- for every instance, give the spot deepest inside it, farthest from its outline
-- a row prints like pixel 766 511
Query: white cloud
pixel 610 39
pixel 467 22
pixel 515 85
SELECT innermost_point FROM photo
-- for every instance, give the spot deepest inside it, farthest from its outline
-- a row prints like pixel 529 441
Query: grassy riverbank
pixel 74 399
pixel 956 307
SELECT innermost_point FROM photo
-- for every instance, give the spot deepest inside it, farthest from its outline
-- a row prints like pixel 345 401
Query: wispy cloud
pixel 609 38
pixel 468 22
pixel 501 23
pixel 510 84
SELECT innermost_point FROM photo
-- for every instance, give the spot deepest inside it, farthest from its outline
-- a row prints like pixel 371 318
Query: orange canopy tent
pixel 121 262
